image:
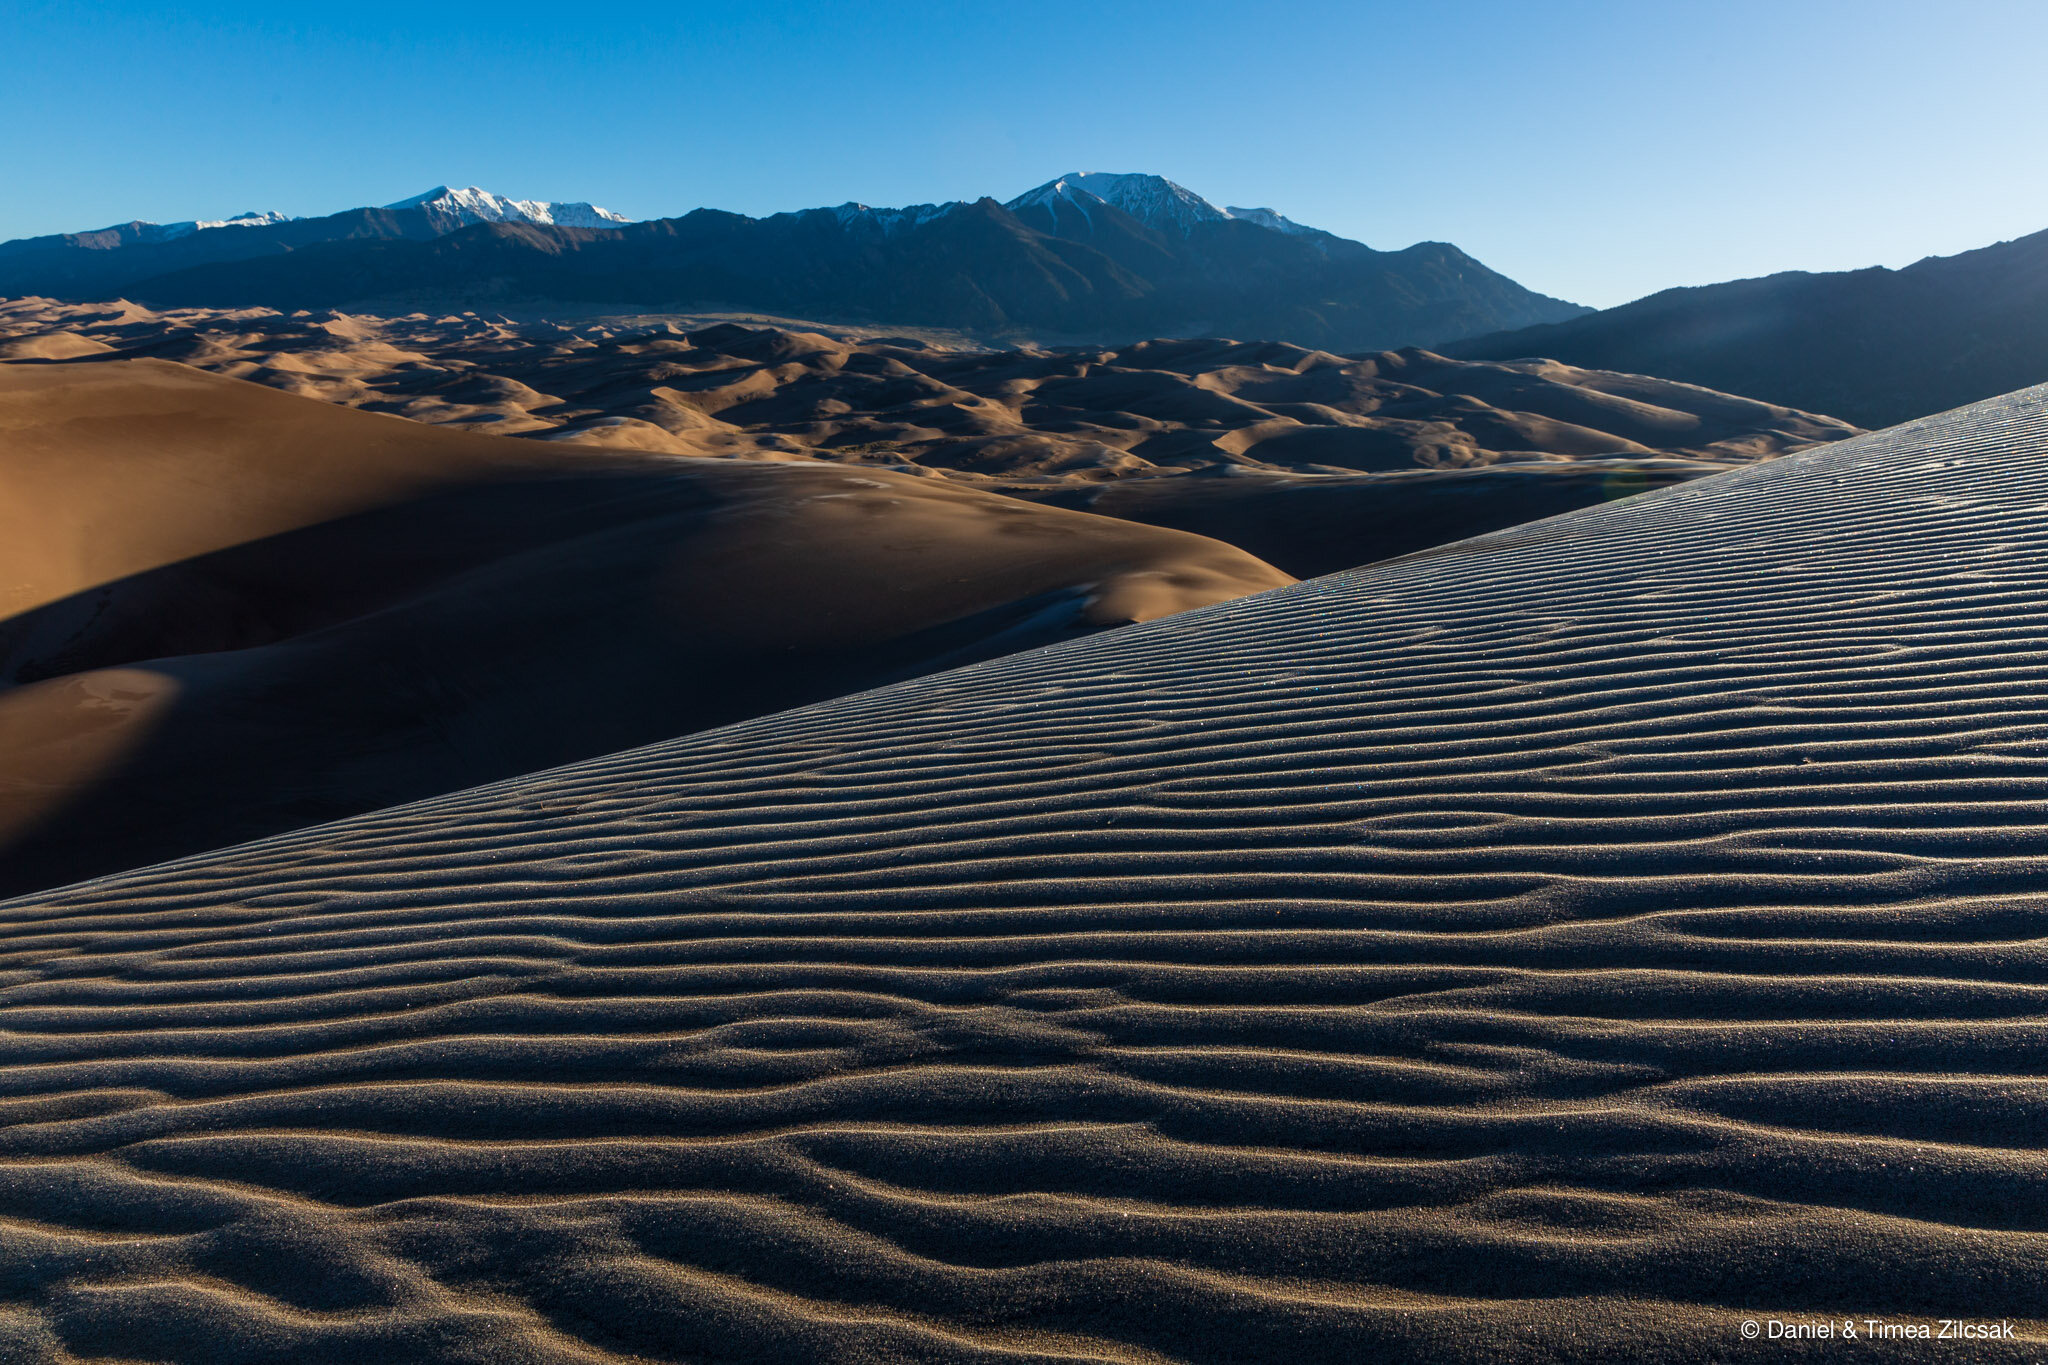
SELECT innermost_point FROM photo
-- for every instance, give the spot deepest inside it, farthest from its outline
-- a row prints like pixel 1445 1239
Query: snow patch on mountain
pixel 239 220
pixel 891 221
pixel 461 207
pixel 141 232
pixel 1267 218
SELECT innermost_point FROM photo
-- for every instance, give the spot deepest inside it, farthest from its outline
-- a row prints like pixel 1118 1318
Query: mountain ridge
pixel 1876 346
pixel 1060 261
pixel 463 207
pixel 1153 200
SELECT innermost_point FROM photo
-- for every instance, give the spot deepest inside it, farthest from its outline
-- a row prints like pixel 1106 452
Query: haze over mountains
pixel 1083 257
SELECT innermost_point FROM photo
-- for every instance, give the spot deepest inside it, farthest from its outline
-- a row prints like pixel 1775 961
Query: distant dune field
pixel 1310 460
pixel 1571 943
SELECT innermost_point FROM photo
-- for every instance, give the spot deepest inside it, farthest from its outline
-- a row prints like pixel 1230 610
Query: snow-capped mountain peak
pixel 461 207
pixel 1153 200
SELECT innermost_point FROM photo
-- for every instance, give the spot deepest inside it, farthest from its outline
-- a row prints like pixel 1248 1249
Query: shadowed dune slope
pixel 1564 944
pixel 1318 526
pixel 226 611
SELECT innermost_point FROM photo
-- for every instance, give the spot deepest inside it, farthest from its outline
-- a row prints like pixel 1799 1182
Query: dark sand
pixel 1565 944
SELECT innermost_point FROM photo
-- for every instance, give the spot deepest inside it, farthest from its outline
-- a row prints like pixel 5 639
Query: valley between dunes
pixel 865 908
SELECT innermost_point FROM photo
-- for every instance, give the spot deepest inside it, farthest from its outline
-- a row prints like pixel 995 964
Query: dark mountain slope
pixel 1874 346
pixel 976 268
pixel 1302 285
pixel 112 261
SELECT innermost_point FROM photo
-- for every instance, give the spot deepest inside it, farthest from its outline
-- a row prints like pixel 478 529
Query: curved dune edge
pixel 1570 943
pixel 227 612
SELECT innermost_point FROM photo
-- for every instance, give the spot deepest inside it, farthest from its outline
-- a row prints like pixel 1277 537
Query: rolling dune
pixel 1151 408
pixel 1565 944
pixel 1191 434
pixel 227 612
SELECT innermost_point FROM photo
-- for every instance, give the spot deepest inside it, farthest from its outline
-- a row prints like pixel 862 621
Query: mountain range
pixel 450 209
pixel 1874 346
pixel 1084 256
pixel 113 260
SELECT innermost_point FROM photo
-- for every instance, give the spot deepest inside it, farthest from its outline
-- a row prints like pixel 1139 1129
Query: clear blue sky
pixel 1597 151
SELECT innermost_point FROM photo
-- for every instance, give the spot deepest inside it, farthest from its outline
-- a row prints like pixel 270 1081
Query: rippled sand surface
pixel 1564 944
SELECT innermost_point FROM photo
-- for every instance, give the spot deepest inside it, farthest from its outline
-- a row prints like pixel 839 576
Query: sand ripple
pixel 1565 944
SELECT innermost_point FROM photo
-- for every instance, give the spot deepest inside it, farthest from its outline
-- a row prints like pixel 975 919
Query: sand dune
pixel 1349 433
pixel 226 611
pixel 1565 944
pixel 1157 406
